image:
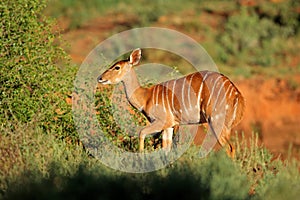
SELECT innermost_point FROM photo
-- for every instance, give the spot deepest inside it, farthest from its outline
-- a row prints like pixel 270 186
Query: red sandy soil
pixel 272 104
pixel 273 109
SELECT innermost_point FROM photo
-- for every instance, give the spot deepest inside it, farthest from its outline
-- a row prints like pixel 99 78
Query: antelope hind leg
pixel 224 141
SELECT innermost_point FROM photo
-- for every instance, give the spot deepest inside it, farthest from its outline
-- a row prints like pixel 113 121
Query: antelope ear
pixel 135 57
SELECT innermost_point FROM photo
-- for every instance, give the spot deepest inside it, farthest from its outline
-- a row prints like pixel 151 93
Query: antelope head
pixel 118 71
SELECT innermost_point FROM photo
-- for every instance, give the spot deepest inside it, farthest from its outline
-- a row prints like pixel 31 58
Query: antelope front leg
pixel 155 127
pixel 167 139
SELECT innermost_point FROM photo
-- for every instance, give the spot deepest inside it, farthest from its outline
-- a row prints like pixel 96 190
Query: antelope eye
pixel 117 67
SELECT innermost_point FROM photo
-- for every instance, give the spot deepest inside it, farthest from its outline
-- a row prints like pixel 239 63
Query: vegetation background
pixel 41 156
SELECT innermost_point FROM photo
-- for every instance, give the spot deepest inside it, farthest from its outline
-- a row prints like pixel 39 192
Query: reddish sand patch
pixel 273 109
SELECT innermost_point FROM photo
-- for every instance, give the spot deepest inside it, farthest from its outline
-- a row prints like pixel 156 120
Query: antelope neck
pixel 135 94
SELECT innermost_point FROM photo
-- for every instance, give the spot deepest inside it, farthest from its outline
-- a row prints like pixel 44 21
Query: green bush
pixel 257 36
pixel 119 121
pixel 35 77
pixel 77 12
pixel 244 39
pixel 214 177
pixel 33 152
pixel 39 166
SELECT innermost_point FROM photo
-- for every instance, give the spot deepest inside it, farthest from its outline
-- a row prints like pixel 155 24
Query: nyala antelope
pixel 200 97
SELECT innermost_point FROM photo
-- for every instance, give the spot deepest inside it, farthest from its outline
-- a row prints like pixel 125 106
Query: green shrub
pixel 47 168
pixel 77 12
pixel 215 177
pixel 244 39
pixel 119 121
pixel 36 77
pixel 283 13
pixel 30 154
pixel 285 185
pixel 257 36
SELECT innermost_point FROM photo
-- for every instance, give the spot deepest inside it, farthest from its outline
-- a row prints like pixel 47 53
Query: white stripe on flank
pixel 220 89
pixel 189 92
pixel 153 98
pixel 230 88
pixel 173 93
pixel 162 97
pixel 199 95
pixel 182 95
pixel 200 91
pixel 234 111
pixel 157 93
pixel 231 91
pixel 167 96
pixel 213 90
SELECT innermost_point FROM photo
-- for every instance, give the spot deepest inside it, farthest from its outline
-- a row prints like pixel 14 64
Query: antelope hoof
pixel 231 151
